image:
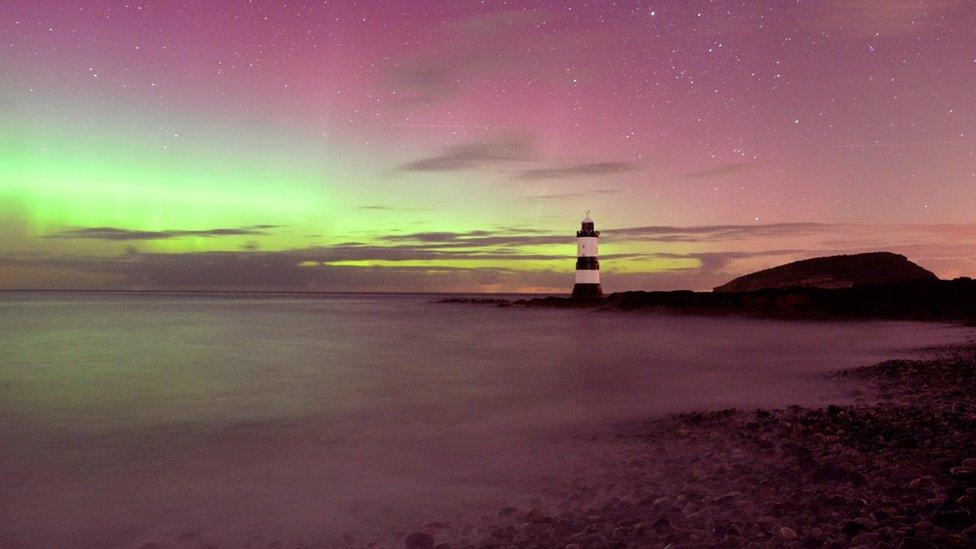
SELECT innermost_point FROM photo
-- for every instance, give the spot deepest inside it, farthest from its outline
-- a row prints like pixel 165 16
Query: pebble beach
pixel 893 467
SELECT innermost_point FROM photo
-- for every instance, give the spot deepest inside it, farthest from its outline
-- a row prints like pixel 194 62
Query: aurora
pixel 342 130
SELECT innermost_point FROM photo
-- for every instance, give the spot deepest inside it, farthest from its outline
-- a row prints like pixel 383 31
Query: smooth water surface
pixel 191 419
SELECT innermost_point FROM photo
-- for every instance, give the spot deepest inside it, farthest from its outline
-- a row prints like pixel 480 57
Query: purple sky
pixel 455 145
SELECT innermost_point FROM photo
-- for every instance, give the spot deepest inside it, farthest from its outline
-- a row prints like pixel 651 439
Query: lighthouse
pixel 587 261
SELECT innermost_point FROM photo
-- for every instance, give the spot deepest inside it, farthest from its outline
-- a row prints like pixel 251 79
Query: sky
pixel 455 146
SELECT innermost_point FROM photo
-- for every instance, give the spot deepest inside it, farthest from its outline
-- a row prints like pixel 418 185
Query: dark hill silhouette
pixel 838 271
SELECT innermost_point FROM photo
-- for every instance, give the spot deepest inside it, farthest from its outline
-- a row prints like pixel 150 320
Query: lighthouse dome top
pixel 586 228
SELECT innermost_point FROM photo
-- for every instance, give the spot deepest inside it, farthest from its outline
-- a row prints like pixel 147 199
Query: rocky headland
pixel 925 300
pixel 877 285
pixel 837 271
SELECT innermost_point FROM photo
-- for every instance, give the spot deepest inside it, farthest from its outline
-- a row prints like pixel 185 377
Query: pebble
pixel 867 538
pixel 507 511
pixel 662 526
pixel 960 518
pixel 915 543
pixel 419 540
pixel 899 474
pixel 595 541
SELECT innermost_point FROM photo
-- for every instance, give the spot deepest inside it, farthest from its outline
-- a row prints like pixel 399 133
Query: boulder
pixel 419 540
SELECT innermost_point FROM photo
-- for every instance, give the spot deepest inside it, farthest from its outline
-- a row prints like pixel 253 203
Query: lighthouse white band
pixel 586 246
pixel 588 277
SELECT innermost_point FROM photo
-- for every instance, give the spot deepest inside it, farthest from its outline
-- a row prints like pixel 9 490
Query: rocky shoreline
pixel 895 469
pixel 921 300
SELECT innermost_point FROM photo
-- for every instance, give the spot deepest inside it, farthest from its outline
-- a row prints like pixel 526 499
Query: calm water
pixel 126 419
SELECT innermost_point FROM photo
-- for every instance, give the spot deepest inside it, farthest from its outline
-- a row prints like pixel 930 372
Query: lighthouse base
pixel 587 290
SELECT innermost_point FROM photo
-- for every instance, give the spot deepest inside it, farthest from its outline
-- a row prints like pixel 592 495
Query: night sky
pixel 454 146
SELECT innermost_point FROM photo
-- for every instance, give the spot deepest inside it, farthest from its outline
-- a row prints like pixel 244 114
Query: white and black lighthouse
pixel 587 261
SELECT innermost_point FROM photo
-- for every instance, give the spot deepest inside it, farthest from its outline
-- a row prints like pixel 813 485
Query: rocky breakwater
pixel 925 300
pixel 896 470
pixel 877 285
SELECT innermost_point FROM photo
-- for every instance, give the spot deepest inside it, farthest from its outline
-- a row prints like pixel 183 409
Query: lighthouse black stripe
pixel 587 263
pixel 587 290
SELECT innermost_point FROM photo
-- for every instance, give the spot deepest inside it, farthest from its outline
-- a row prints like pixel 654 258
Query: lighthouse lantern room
pixel 587 261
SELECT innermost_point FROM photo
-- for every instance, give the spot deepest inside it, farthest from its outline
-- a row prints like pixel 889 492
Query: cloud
pixel 113 233
pixel 471 48
pixel 590 169
pixel 456 261
pixel 704 234
pixel 508 149
pixel 378 208
pixel 721 170
pixel 312 269
pixel 711 233
pixel 436 236
pixel 871 235
pixel 295 270
pixel 474 155
pixel 477 239
pixel 571 195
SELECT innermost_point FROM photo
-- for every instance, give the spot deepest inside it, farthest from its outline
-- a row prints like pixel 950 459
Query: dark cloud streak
pixel 379 208
pixel 578 170
pixel 113 233
pixel 651 233
pixel 474 155
pixel 721 170
pixel 572 195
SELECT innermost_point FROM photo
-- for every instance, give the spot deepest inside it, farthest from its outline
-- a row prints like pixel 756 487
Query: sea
pixel 270 419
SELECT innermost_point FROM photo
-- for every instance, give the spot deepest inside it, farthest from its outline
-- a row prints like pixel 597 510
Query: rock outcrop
pixel 839 271
pixel 923 300
pixel 871 286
